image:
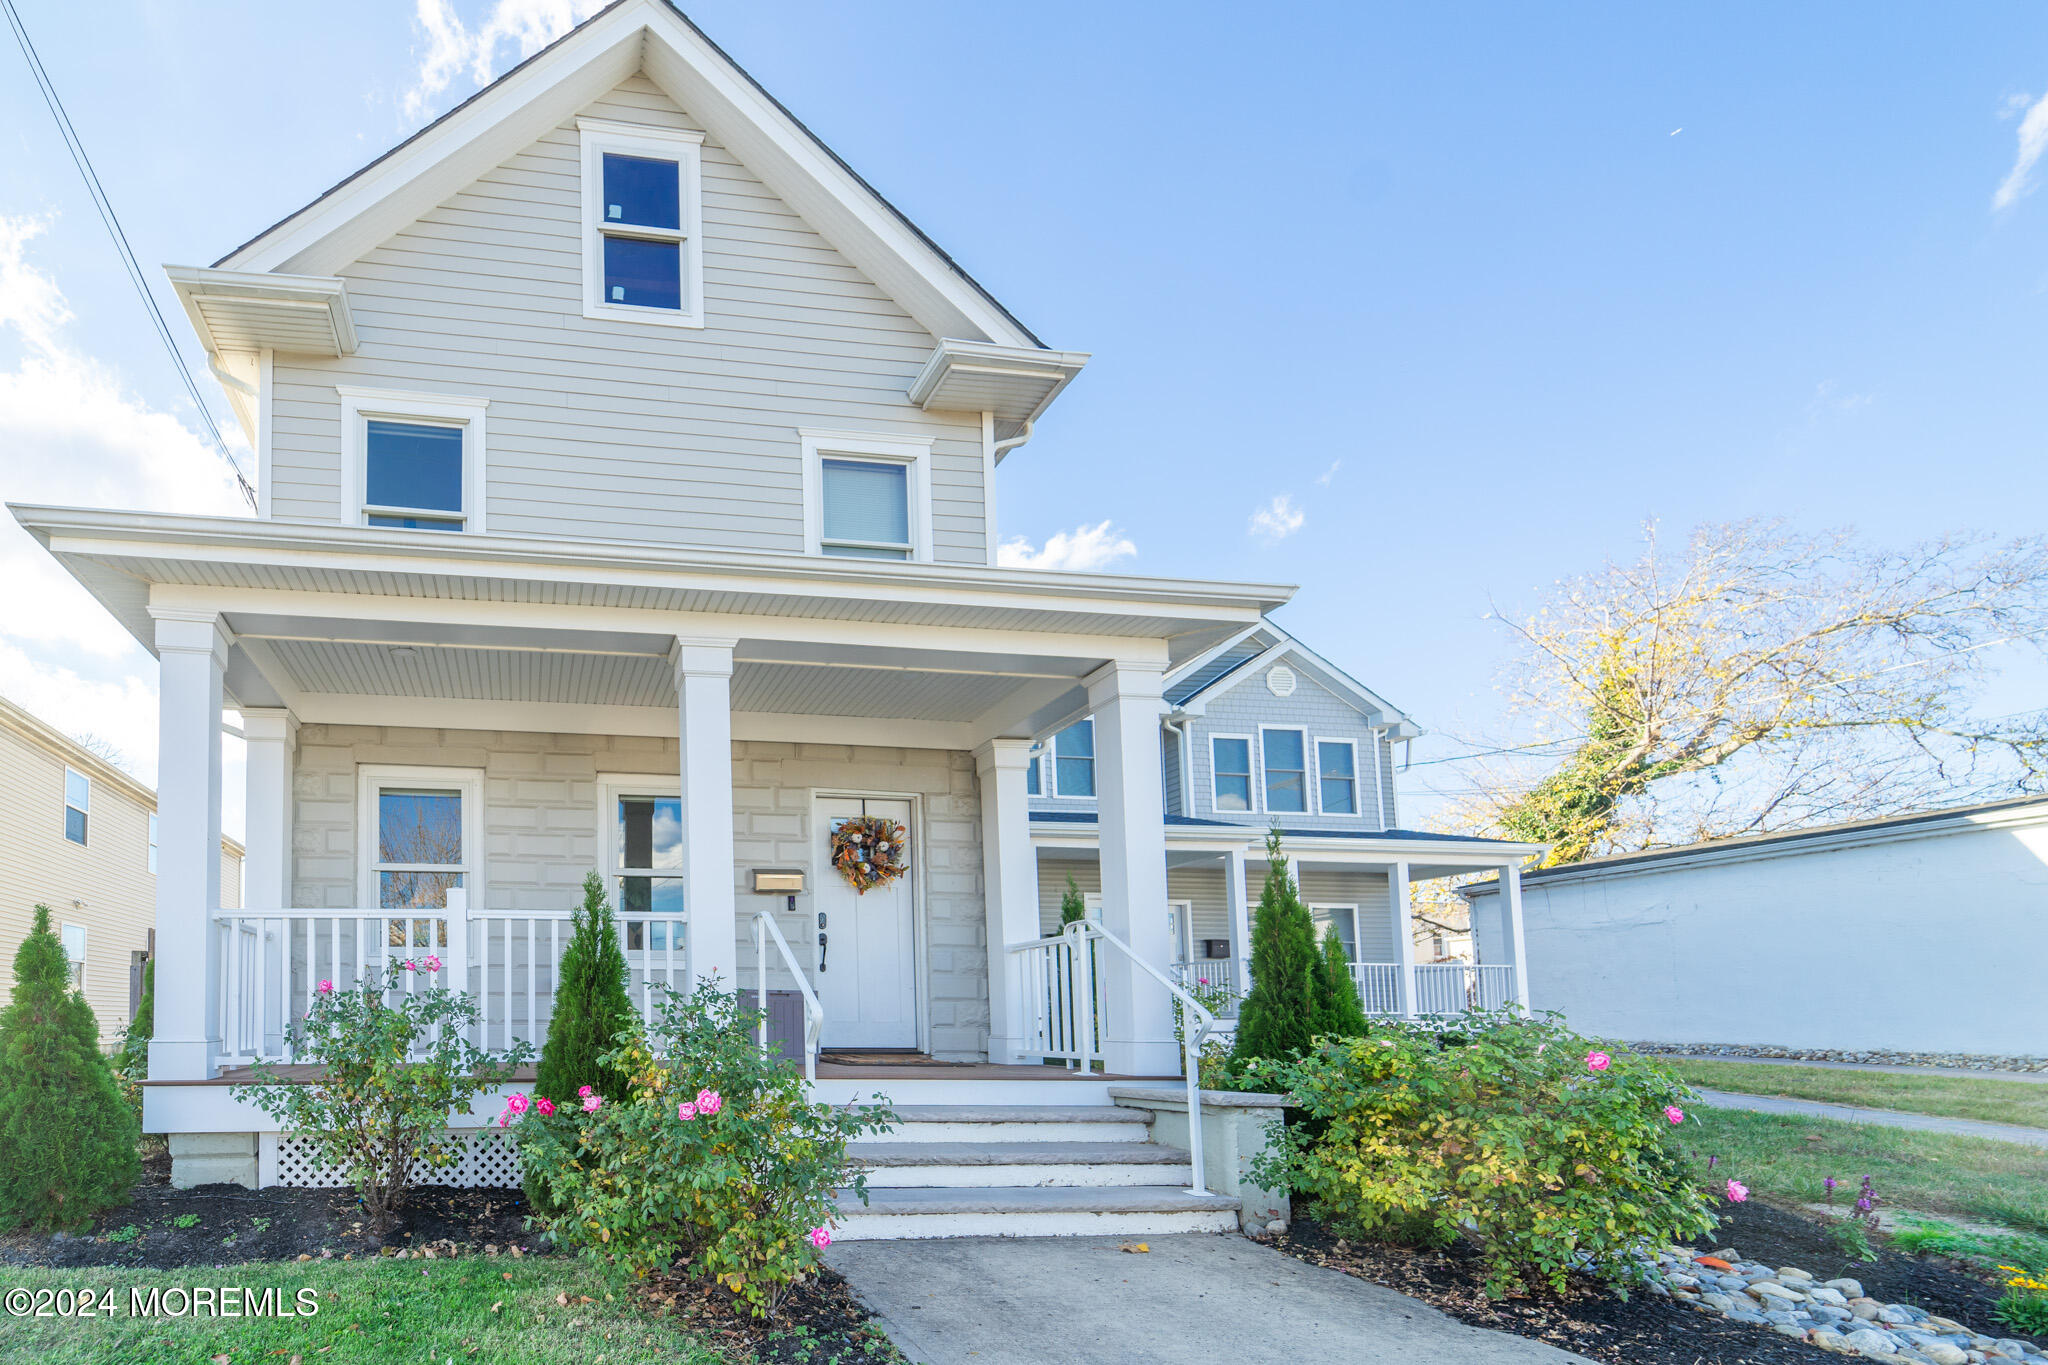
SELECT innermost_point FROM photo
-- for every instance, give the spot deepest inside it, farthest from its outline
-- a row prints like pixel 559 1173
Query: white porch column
pixel 1009 878
pixel 192 653
pixel 1404 934
pixel 1511 929
pixel 704 734
pixel 273 735
pixel 1126 702
pixel 1240 916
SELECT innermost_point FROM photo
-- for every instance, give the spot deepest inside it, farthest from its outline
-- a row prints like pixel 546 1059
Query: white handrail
pixel 766 928
pixel 1191 1039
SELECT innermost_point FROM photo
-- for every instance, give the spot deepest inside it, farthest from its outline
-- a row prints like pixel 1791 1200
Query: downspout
pixel 1010 443
pixel 1180 723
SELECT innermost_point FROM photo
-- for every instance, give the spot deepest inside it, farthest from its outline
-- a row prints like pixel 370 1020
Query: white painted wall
pixel 1935 943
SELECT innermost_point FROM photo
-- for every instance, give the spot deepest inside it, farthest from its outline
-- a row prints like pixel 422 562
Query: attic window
pixel 642 257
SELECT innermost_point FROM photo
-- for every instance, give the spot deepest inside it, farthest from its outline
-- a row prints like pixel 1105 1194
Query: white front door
pixel 1180 929
pixel 867 965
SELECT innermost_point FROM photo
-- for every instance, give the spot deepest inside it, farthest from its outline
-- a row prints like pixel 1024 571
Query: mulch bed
pixel 818 1323
pixel 1648 1329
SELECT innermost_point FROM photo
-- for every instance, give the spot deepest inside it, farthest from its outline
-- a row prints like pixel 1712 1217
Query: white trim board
pixel 360 406
pixel 912 452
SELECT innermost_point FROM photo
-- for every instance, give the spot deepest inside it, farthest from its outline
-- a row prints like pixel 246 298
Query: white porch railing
pixel 1214 973
pixel 1379 986
pixel 1454 987
pixel 273 961
pixel 765 930
pixel 1059 979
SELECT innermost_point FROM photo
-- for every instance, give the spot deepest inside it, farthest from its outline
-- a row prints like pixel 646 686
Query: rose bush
pixel 717 1164
pixel 1550 1153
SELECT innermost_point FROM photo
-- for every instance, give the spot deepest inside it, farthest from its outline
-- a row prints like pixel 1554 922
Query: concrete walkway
pixel 1021 1301
pixel 1897 1069
pixel 1889 1118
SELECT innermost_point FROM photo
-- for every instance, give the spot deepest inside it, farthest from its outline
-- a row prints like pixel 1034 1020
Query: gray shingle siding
pixel 1244 707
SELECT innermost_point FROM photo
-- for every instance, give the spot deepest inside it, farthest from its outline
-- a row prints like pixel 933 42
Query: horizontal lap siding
pixel 612 429
pixel 1203 887
pixel 1366 890
pixel 1241 708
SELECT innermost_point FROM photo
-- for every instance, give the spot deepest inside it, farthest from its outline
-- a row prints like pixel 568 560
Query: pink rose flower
pixel 1737 1191
pixel 517 1104
pixel 591 1102
pixel 1598 1061
pixel 820 1238
pixel 545 1105
pixel 326 988
pixel 433 963
pixel 409 965
pixel 686 1111
pixel 503 1120
pixel 582 1092
pixel 709 1102
pixel 1674 1113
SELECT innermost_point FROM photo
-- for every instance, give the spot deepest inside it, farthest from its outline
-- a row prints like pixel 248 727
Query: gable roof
pixel 657 39
pixel 1232 662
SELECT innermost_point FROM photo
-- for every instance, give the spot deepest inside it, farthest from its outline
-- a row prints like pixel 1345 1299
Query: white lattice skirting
pixel 488 1161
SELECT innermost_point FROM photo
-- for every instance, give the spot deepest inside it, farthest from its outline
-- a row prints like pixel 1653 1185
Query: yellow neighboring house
pixel 79 835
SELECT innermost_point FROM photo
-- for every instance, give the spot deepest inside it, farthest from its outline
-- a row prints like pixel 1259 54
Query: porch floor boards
pixel 827 1071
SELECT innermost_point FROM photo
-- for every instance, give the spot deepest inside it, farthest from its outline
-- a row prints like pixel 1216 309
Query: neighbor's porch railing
pixel 273 961
pixel 1454 987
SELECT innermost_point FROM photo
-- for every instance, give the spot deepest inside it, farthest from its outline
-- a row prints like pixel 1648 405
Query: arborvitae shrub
pixel 1283 1012
pixel 67 1137
pixel 591 1006
pixel 1073 905
pixel 1342 1015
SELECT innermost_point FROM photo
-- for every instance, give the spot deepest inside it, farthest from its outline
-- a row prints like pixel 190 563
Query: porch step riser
pixel 928 1131
pixel 1079 1176
pixel 870 1227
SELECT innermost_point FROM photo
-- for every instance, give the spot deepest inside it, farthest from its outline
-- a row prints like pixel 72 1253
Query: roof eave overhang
pixel 1015 383
pixel 242 311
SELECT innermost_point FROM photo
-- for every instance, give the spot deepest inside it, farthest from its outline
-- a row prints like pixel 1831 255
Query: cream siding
pixel 614 429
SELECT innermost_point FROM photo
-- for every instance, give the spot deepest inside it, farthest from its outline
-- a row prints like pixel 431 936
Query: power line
pixel 105 208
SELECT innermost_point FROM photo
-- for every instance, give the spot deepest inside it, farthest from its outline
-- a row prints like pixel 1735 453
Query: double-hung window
pixel 646 853
pixel 1073 760
pixel 417 458
pixel 1230 759
pixel 866 497
pixel 1337 776
pixel 77 804
pixel 1345 920
pixel 421 841
pixel 1284 755
pixel 642 255
pixel 74 954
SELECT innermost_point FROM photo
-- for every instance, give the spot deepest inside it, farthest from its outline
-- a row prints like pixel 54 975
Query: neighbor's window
pixel 77 801
pixel 1231 763
pixel 152 842
pixel 1337 770
pixel 413 475
pixel 867 509
pixel 74 954
pixel 647 868
pixel 1286 772
pixel 640 199
pixel 1073 760
pixel 1345 917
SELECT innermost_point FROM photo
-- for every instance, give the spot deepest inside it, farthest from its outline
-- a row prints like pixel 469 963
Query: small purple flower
pixel 1829 1184
pixel 1712 1162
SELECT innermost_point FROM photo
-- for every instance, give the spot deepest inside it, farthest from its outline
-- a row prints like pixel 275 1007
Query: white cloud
pixel 1330 473
pixel 2033 134
pixel 72 433
pixel 1083 549
pixel 453 47
pixel 1279 518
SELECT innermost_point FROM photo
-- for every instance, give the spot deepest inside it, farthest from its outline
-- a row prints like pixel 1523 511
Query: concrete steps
pixel 1022 1170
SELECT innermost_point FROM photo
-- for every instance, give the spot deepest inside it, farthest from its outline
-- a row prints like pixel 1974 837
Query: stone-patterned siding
pixel 541 823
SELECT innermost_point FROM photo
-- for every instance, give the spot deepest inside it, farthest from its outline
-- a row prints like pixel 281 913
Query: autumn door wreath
pixel 868 851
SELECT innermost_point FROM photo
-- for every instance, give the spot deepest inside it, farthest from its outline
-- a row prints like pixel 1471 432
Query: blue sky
pixel 1475 290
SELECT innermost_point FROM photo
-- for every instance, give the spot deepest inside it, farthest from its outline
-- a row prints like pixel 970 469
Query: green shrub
pixel 131 1058
pixel 1073 905
pixel 1552 1152
pixel 1283 1012
pixel 67 1137
pixel 1339 1015
pixel 592 1007
pixel 718 1164
pixel 394 1065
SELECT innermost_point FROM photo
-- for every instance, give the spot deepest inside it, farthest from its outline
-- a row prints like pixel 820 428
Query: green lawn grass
pixel 1784 1158
pixel 1956 1097
pixel 481 1309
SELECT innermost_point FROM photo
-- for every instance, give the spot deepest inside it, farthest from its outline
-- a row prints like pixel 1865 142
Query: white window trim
pixel 64 829
pixel 610 787
pixel 1251 761
pixel 686 149
pixel 1350 909
pixel 1050 784
pixel 1308 759
pixel 359 406
pixel 913 452
pixel 1316 744
pixel 84 934
pixel 371 778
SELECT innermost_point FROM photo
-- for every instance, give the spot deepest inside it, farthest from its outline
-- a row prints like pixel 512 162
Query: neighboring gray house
pixel 1925 932
pixel 1261 732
